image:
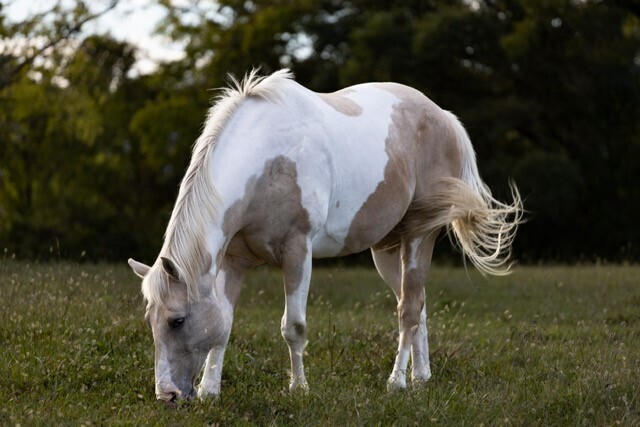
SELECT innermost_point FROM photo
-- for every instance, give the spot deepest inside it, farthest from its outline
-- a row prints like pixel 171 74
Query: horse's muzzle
pixel 171 395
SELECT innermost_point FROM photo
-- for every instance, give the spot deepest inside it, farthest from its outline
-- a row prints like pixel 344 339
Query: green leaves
pixel 548 90
pixel 166 129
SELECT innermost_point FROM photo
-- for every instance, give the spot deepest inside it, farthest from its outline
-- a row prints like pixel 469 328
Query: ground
pixel 546 345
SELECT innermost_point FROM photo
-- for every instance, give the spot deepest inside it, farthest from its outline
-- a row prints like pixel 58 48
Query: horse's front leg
pixel 227 290
pixel 212 375
pixel 296 268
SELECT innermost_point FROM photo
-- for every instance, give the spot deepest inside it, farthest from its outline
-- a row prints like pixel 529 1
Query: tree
pixel 53 124
pixel 548 90
pixel 41 35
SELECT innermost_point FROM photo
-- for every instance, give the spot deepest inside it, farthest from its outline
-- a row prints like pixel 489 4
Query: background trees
pixel 91 155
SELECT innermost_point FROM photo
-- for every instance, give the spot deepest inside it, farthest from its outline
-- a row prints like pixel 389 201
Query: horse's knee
pixel 410 315
pixel 293 331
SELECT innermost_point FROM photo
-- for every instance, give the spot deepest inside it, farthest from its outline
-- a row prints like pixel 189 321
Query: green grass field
pixel 546 345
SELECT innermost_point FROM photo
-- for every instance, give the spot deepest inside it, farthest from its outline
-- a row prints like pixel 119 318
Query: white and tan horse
pixel 280 175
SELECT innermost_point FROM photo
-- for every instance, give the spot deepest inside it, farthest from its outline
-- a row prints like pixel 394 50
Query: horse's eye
pixel 176 323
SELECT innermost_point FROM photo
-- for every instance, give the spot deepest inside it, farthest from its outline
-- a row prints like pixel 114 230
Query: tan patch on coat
pixel 384 208
pixel 339 102
pixel 270 223
pixel 419 120
pixel 422 148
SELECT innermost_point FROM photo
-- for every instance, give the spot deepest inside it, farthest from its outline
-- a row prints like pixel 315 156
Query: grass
pixel 544 346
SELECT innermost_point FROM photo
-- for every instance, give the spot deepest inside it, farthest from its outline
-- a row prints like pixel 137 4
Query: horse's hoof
pixel 204 396
pixel 299 387
pixel 396 385
pixel 419 383
pixel 420 380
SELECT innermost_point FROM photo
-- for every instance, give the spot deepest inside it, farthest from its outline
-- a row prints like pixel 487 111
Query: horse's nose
pixel 168 394
pixel 169 398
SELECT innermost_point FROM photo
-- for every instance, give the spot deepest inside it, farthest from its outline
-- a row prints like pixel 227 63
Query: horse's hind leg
pixel 387 263
pixel 420 369
pixel 404 269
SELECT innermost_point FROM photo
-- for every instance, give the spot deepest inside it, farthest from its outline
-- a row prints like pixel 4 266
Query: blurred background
pixel 101 101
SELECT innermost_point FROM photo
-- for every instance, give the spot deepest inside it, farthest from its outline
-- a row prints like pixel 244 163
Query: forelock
pixel 155 286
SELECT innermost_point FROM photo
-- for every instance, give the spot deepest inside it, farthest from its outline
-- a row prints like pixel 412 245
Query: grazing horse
pixel 281 174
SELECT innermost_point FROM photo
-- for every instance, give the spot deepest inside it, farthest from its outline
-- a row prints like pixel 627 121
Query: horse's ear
pixel 139 268
pixel 170 268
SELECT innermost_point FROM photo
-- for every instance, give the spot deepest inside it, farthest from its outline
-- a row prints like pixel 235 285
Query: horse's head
pixel 184 326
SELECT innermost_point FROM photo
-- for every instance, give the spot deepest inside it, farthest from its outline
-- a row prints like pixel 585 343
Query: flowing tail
pixel 481 226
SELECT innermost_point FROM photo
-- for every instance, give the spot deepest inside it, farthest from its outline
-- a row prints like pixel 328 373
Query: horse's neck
pixel 257 133
pixel 244 148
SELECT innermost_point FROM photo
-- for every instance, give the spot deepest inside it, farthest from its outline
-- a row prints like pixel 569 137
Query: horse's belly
pixel 347 232
pixel 329 239
pixel 365 182
pixel 366 203
pixel 325 245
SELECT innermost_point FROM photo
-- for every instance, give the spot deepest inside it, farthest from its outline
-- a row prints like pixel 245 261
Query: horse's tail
pixel 482 227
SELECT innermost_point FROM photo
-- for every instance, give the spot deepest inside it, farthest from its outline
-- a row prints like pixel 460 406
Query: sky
pixel 132 21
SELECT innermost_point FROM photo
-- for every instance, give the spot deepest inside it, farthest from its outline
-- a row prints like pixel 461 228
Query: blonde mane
pixel 198 200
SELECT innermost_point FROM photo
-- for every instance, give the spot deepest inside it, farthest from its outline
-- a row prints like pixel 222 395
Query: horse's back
pixel 359 157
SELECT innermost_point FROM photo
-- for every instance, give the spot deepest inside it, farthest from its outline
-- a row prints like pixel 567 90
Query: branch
pixel 65 34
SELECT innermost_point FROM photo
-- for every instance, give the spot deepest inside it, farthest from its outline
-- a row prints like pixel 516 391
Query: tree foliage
pixel 91 155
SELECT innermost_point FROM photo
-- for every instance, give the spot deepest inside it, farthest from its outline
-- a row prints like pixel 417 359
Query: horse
pixel 280 175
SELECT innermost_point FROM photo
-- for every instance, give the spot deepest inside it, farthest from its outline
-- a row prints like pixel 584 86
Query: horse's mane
pixel 198 200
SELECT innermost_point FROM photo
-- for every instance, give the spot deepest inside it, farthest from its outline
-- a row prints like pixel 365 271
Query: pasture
pixel 546 345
